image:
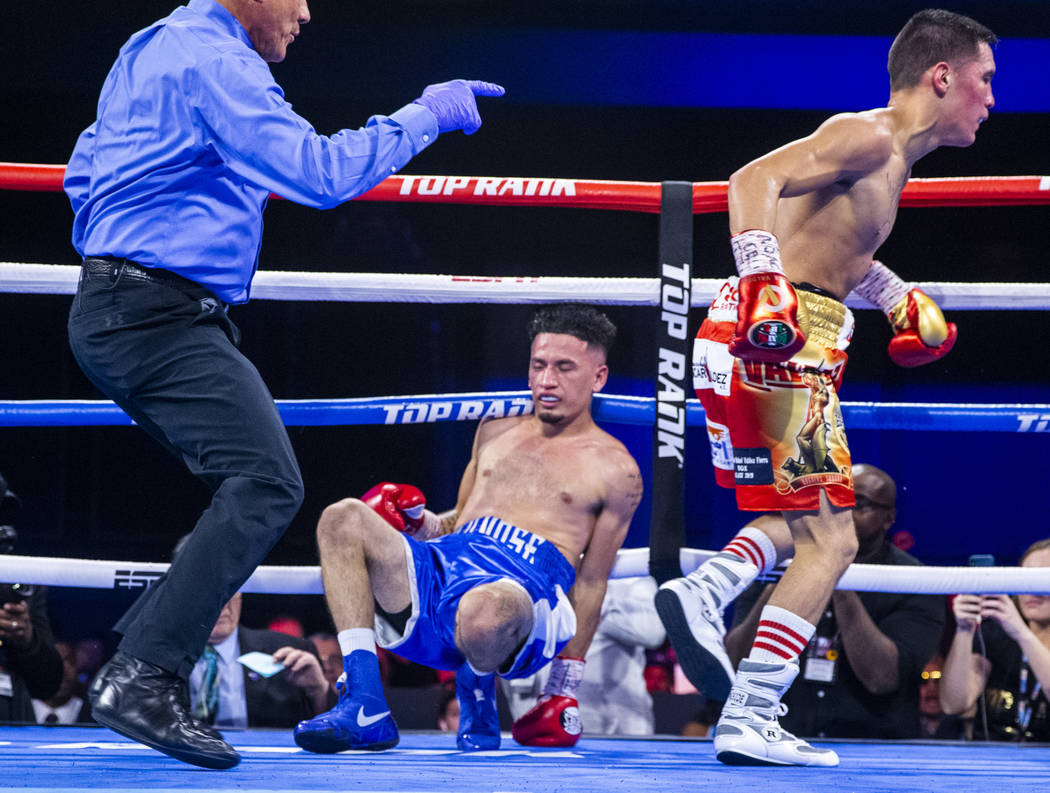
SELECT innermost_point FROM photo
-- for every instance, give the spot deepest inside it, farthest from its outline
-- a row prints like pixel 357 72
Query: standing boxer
pixel 168 186
pixel 544 505
pixel 806 220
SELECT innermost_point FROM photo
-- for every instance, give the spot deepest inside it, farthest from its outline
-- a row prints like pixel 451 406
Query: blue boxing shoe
pixel 478 716
pixel 360 719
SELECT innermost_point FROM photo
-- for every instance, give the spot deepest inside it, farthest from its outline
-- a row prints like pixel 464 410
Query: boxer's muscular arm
pixel 624 492
pixel 845 147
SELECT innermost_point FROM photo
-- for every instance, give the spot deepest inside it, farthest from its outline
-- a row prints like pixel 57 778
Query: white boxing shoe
pixel 691 610
pixel 748 732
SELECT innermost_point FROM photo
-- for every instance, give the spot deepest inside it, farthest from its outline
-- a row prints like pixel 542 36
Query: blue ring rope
pixel 431 408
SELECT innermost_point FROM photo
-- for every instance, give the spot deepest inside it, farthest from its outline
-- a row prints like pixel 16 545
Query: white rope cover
pixel 306 580
pixel 22 278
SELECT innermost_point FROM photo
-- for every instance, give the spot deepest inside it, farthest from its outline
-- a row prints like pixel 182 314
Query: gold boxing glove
pixel 921 334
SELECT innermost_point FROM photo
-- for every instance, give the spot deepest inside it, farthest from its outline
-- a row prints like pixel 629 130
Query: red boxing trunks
pixel 776 429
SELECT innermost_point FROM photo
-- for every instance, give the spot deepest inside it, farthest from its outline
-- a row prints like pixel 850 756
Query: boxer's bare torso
pixel 556 486
pixel 831 197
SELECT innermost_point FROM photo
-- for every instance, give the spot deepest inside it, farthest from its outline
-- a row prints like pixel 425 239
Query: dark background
pixel 111 493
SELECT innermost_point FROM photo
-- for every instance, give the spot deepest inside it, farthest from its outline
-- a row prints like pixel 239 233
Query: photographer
pixel 30 666
pixel 999 660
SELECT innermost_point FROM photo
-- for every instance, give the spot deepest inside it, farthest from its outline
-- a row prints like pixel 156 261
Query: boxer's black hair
pixel 932 36
pixel 576 319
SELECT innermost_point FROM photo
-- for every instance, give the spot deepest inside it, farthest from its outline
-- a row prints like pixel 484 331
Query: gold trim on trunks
pixel 821 319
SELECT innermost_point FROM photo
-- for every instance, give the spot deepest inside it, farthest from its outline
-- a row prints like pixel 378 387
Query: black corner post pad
pixel 672 380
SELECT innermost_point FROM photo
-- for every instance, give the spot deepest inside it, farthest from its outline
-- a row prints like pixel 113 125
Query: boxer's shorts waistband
pixel 530 549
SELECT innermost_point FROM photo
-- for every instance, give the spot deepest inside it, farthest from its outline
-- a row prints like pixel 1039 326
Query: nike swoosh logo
pixel 366 721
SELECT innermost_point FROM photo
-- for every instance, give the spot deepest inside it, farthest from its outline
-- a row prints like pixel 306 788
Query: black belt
pixel 806 286
pixel 109 265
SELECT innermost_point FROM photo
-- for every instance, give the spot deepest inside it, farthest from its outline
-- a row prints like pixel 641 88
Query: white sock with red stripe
pixel 730 571
pixel 781 636
pixel 754 546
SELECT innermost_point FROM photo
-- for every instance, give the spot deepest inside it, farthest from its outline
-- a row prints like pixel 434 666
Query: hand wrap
pixel 767 327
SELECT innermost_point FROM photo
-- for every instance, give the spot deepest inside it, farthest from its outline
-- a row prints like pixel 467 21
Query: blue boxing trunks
pixel 482 551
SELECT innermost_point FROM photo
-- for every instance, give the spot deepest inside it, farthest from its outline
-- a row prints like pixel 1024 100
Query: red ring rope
pixel 602 194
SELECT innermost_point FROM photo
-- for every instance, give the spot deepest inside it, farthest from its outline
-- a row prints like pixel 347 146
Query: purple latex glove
pixel 453 103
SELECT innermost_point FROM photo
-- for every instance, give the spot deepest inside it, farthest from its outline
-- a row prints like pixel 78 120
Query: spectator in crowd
pixel 89 655
pixel 287 624
pixel 862 668
pixel 1002 650
pixel 448 710
pixel 398 672
pixel 230 692
pixel 699 726
pixel 613 695
pixel 933 722
pixel 68 705
pixel 30 666
pixel 660 669
pixel 696 727
pixel 327 647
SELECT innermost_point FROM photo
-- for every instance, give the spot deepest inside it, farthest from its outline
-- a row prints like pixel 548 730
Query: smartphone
pixel 981 560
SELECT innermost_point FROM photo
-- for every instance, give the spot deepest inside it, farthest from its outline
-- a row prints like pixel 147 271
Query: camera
pixel 15 593
pixel 10 505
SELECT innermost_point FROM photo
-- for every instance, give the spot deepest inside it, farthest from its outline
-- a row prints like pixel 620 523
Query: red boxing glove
pixel 552 721
pixel 555 718
pixel 767 326
pixel 402 506
pixel 921 334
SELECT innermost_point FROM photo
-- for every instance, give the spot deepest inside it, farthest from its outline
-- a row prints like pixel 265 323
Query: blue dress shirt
pixel 193 135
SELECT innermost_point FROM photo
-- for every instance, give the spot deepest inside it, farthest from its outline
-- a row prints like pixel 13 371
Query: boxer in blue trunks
pixel 483 551
pixel 510 580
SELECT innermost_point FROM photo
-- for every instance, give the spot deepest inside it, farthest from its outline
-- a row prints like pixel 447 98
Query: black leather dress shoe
pixel 184 702
pixel 145 703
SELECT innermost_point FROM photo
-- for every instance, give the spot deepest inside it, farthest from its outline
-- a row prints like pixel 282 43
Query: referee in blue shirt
pixel 168 187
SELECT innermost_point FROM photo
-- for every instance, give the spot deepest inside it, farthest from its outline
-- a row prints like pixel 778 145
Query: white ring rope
pixel 22 278
pixel 306 580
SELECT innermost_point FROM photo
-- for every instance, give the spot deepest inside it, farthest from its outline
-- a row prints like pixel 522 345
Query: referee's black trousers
pixel 164 349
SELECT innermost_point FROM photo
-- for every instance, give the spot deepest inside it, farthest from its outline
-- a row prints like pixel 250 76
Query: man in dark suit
pixel 68 705
pixel 231 693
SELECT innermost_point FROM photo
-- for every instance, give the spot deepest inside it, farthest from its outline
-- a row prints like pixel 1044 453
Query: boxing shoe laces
pixel 749 732
pixel 359 720
pixel 691 611
pixel 478 714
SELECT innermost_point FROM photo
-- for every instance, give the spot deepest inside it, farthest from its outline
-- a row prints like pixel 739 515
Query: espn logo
pixel 135 579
